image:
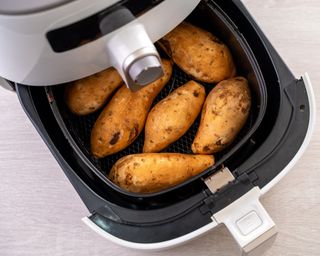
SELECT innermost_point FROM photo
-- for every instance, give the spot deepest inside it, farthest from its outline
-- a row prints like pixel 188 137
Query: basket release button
pixel 249 223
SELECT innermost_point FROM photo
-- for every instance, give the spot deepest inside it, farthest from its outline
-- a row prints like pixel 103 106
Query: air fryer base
pixel 258 236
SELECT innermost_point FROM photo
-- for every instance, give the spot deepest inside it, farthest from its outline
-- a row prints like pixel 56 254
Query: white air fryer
pixel 54 42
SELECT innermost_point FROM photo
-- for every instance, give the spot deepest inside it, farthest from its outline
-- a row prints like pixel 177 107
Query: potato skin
pixel 87 95
pixel 173 116
pixel 224 113
pixel 124 117
pixel 152 172
pixel 199 53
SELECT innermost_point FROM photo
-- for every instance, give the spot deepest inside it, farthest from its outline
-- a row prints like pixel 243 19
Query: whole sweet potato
pixel 224 113
pixel 124 117
pixel 199 53
pixel 87 95
pixel 173 116
pixel 152 172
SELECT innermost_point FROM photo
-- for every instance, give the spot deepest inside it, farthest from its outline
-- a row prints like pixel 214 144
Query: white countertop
pixel 40 211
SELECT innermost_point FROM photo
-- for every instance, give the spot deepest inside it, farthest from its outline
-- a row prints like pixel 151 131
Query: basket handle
pixel 249 223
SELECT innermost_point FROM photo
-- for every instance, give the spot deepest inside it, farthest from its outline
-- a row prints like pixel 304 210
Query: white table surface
pixel 40 211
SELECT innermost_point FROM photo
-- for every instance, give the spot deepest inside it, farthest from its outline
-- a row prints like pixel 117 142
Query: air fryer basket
pixel 78 129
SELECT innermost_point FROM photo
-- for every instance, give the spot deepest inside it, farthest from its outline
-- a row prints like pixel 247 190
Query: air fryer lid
pixel 78 129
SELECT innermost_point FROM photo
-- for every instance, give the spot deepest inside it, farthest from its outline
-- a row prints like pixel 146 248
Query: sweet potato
pixel 224 113
pixel 199 53
pixel 89 94
pixel 152 172
pixel 124 117
pixel 173 116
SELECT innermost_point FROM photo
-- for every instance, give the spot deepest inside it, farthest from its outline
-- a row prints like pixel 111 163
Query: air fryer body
pixel 179 215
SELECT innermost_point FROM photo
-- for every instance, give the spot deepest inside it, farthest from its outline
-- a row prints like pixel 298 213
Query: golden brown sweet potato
pixel 152 172
pixel 199 53
pixel 124 117
pixel 173 116
pixel 89 94
pixel 224 113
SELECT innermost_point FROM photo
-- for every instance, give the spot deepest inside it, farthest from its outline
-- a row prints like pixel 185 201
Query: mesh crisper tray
pixel 77 129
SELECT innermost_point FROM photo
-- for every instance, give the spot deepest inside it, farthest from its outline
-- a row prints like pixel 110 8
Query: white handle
pixel 128 45
pixel 249 223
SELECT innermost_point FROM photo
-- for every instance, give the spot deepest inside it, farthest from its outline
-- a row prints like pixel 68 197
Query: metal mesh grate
pixel 80 127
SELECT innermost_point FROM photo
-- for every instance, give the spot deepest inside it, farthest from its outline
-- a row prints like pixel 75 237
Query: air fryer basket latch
pixel 249 223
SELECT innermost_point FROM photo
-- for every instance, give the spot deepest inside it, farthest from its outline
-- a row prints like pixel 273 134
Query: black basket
pixel 77 129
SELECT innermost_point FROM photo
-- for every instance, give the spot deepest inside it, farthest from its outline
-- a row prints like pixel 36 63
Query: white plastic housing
pixel 130 43
pixel 26 56
pixel 245 218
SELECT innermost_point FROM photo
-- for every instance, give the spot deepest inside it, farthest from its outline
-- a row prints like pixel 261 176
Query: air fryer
pixel 276 134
